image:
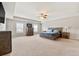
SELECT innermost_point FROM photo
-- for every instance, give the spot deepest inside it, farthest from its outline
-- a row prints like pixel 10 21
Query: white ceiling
pixel 55 9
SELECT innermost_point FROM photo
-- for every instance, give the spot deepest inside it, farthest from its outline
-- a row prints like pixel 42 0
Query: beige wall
pixel 11 25
pixel 71 23
pixel 9 12
pixel 9 9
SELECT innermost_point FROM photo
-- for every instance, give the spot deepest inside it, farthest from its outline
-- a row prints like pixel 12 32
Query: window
pixel 35 26
pixel 19 27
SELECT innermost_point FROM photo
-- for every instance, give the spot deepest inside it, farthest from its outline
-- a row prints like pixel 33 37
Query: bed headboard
pixel 59 29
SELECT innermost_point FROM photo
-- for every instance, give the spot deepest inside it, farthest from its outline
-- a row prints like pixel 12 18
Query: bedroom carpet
pixel 37 46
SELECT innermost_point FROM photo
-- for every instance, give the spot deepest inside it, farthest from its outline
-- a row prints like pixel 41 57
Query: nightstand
pixel 66 35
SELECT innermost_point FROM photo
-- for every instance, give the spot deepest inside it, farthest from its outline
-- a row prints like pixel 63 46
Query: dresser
pixel 5 42
pixel 66 35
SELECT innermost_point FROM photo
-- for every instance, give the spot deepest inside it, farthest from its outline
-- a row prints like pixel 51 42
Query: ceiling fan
pixel 44 14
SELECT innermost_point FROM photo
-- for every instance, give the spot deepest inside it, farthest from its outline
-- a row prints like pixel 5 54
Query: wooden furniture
pixel 29 30
pixel 66 35
pixel 5 42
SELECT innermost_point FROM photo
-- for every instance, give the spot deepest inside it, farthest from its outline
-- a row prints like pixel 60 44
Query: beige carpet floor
pixel 37 46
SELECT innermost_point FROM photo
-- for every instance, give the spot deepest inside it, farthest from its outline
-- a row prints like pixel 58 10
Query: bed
pixel 52 33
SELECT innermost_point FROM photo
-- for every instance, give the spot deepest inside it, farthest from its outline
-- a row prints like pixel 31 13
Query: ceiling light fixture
pixel 44 15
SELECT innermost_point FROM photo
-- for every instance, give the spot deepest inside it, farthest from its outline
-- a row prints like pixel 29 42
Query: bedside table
pixel 66 35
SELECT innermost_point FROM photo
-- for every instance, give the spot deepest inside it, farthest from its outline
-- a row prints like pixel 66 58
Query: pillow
pixel 51 29
pixel 56 31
